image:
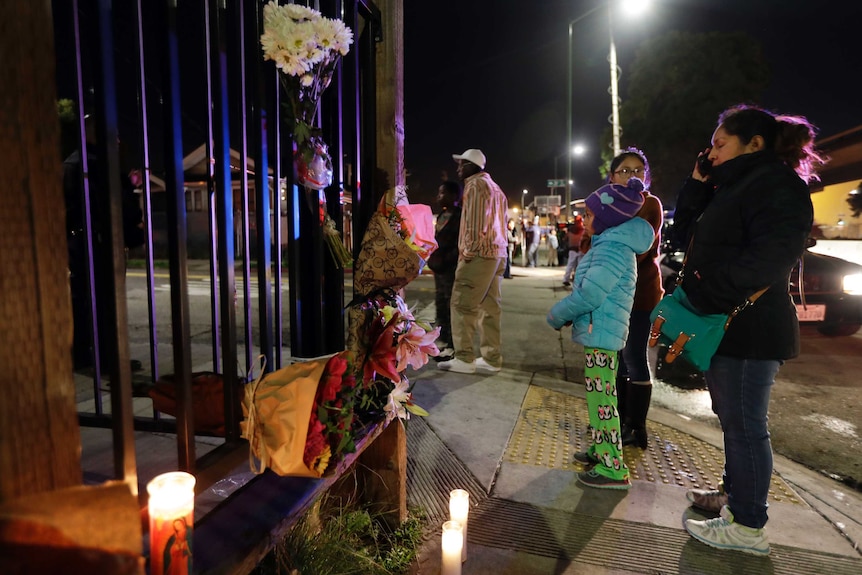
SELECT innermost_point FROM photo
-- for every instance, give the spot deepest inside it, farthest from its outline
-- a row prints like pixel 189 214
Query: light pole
pixel 632 6
pixel 524 203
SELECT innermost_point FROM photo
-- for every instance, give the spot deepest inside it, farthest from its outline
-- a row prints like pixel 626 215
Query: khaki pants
pixel 477 303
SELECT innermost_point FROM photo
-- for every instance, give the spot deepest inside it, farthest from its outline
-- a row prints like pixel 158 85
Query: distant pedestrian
pixel 532 237
pixel 514 240
pixel 444 260
pixel 553 246
pixel 574 234
pixel 477 295
pixel 747 219
pixel 598 310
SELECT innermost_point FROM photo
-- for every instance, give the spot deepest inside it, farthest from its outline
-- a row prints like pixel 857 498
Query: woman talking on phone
pixel 747 212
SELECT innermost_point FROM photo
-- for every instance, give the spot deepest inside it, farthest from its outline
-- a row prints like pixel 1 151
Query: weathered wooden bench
pixel 235 536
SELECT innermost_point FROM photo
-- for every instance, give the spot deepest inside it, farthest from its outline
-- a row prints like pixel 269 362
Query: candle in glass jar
pixel 459 509
pixel 171 508
pixel 452 542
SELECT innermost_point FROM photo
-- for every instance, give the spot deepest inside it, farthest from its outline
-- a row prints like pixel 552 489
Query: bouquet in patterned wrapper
pixel 383 333
pixel 397 243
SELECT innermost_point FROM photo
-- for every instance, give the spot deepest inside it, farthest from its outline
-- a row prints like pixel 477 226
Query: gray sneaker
pixel 723 533
pixel 711 500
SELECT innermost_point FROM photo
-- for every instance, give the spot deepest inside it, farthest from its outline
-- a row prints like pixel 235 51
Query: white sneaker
pixel 485 366
pixel 445 354
pixel 458 366
pixel 723 533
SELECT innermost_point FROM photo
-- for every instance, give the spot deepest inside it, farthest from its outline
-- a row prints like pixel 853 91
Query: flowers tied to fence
pixel 303 419
pixel 306 48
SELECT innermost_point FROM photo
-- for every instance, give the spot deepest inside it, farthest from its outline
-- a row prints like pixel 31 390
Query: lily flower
pixel 415 346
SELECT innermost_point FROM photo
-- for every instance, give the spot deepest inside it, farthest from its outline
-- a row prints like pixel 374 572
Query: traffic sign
pixel 556 183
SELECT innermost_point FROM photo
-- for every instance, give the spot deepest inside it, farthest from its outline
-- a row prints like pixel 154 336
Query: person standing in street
pixel 444 260
pixel 746 215
pixel 598 310
pixel 482 245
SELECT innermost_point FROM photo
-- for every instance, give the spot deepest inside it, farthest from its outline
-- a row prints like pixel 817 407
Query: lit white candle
pixel 452 542
pixel 459 510
pixel 171 508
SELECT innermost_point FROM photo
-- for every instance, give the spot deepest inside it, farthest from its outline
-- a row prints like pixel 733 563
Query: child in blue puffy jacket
pixel 598 310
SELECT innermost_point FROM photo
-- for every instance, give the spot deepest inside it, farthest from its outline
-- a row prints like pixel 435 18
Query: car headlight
pixel 852 284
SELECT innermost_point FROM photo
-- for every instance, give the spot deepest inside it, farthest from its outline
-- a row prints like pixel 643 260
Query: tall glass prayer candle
pixel 459 509
pixel 451 544
pixel 171 508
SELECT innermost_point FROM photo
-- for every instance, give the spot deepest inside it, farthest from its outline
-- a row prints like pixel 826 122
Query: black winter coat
pixel 444 259
pixel 750 226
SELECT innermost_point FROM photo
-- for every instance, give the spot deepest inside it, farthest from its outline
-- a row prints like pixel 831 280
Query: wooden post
pixel 382 469
pixel 390 93
pixel 39 435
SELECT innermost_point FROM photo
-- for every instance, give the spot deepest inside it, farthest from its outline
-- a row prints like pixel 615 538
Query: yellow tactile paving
pixel 552 426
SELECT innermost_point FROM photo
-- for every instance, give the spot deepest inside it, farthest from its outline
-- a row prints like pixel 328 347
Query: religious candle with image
pixel 171 508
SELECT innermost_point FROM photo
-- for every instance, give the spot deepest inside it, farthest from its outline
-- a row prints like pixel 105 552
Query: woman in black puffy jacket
pixel 747 218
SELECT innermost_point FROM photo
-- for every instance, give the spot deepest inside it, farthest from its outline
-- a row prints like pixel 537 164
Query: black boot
pixel 623 386
pixel 639 395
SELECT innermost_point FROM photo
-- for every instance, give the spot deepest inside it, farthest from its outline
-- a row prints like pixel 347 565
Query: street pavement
pixel 529 515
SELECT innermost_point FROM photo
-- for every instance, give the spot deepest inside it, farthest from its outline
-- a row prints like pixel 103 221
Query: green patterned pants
pixel 600 373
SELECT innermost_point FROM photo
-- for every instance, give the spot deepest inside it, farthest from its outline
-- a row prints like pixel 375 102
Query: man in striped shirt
pixel 477 299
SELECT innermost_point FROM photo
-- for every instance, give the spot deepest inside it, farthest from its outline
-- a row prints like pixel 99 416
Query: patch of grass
pixel 345 540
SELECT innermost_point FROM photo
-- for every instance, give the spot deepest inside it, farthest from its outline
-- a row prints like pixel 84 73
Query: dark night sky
pixel 492 74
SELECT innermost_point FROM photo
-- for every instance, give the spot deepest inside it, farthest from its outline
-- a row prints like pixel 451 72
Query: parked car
pixel 831 294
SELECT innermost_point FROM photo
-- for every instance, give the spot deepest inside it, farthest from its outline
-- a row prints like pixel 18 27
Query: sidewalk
pixel 508 439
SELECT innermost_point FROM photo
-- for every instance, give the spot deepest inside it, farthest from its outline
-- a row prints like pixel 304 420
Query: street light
pixel 629 7
pixel 524 202
pixel 577 150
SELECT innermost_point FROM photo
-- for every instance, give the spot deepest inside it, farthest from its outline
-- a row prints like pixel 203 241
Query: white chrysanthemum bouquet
pixel 306 47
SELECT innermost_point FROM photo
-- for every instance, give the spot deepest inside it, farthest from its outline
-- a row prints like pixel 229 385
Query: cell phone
pixel 704 164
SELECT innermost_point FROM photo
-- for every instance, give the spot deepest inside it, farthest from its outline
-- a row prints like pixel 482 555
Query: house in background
pixel 198 206
pixel 839 177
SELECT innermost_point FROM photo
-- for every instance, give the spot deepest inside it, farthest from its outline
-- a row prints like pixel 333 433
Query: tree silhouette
pixel 679 84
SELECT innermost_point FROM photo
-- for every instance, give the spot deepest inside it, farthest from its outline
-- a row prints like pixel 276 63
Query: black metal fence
pixel 179 91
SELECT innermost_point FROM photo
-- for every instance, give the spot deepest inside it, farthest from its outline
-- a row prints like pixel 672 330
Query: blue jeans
pixel 634 363
pixel 740 389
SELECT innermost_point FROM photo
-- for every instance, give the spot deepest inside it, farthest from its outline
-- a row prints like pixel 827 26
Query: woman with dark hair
pixel 747 217
pixel 634 384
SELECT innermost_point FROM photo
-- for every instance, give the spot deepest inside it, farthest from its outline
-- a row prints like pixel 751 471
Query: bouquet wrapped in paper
pixel 398 241
pixel 299 420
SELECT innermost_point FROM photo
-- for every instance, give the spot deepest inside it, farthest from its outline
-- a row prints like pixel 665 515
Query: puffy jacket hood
pixel 635 233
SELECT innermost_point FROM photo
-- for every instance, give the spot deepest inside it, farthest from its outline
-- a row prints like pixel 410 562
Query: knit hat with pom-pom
pixel 613 204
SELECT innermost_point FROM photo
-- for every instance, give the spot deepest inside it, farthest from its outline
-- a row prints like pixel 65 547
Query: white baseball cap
pixel 472 155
